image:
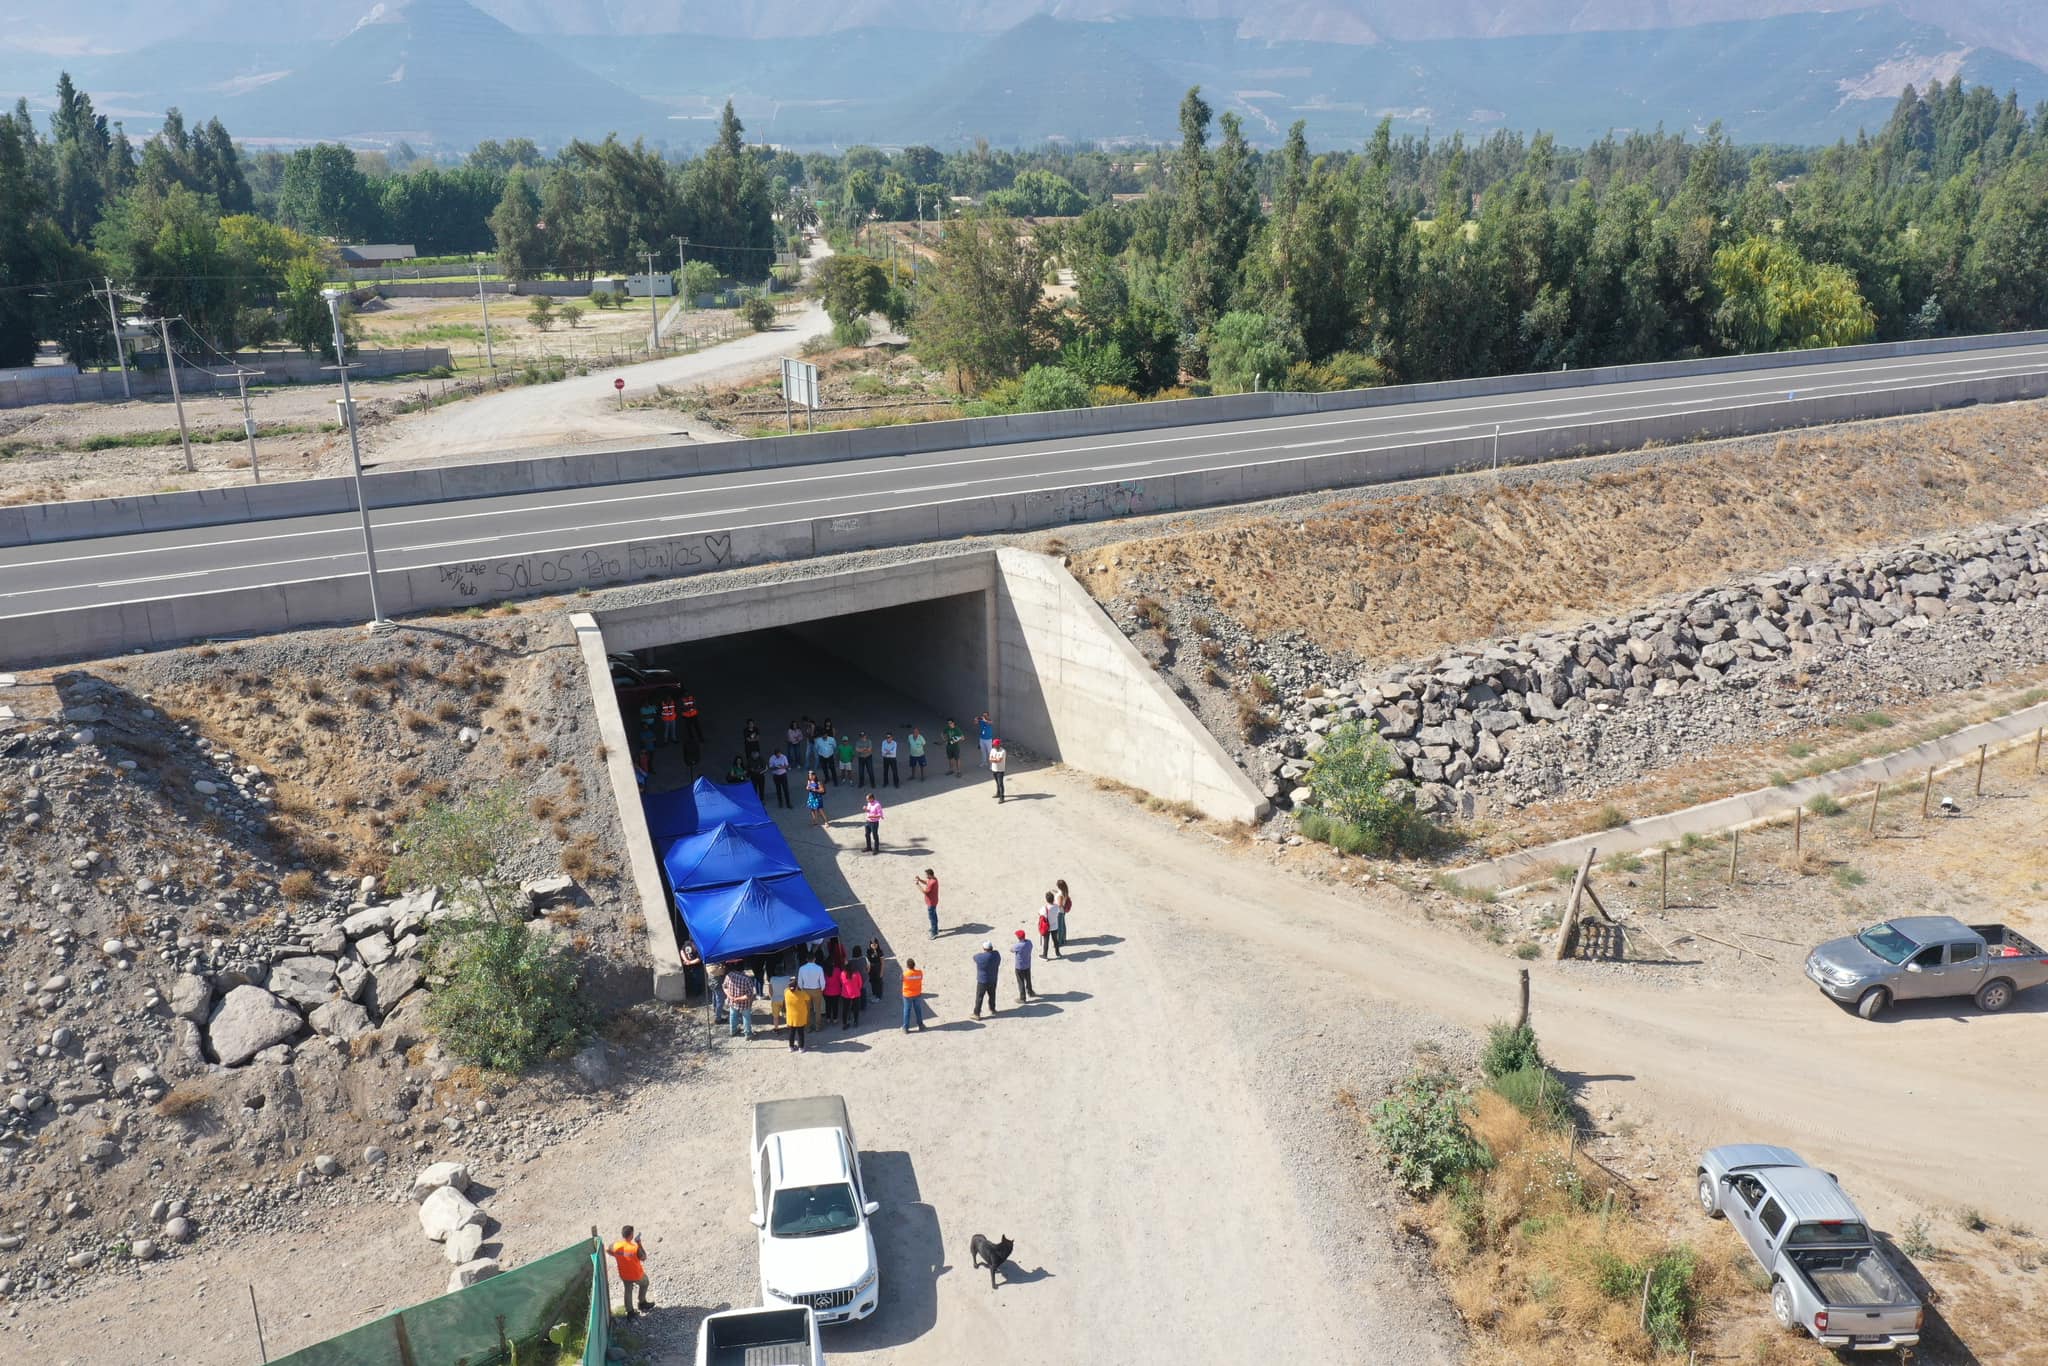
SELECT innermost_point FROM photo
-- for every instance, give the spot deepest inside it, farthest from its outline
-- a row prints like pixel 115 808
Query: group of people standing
pixel 807 990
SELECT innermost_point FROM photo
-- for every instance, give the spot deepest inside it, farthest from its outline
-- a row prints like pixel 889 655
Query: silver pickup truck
pixel 1828 1277
pixel 1920 957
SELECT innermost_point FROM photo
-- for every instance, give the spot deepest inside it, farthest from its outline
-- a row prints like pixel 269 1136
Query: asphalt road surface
pixel 77 574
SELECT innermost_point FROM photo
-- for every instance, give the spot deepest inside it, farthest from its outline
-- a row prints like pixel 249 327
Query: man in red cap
pixel 1020 956
pixel 998 764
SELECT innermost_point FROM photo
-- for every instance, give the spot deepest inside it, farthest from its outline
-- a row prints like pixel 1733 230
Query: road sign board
pixel 800 383
pixel 618 384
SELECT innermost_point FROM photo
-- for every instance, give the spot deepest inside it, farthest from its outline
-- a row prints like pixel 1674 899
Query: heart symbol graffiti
pixel 719 544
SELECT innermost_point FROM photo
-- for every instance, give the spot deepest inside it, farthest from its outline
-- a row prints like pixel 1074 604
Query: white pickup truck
pixel 811 1208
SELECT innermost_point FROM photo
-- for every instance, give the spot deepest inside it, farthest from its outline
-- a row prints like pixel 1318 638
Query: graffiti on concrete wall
pixel 1120 499
pixel 487 579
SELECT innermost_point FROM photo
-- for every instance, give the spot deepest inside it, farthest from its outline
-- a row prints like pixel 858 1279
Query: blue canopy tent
pixel 724 854
pixel 760 915
pixel 703 804
pixel 738 889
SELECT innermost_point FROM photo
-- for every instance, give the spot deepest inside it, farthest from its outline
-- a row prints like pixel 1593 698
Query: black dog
pixel 992 1255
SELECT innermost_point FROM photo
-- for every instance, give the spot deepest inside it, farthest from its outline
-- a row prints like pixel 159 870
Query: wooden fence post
pixel 1875 793
pixel 2038 732
pixel 1798 830
pixel 1663 879
pixel 1981 750
pixel 1734 847
pixel 1926 791
pixel 1522 1015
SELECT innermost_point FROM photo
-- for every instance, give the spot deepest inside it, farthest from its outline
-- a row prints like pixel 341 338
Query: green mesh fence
pixel 552 1312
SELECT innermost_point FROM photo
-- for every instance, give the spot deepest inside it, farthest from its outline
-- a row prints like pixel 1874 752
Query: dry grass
pixel 186 1100
pixel 1536 1255
pixel 1398 577
pixel 299 886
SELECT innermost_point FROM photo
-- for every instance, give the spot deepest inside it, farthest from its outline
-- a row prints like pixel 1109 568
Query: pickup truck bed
pixel 810 1112
pixel 762 1338
pixel 1856 1277
pixel 2001 941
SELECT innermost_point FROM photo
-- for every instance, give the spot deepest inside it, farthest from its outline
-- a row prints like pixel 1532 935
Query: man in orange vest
pixel 690 717
pixel 628 1252
pixel 668 719
pixel 913 993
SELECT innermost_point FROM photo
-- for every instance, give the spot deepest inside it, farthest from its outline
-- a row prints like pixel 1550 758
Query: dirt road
pixel 1159 1133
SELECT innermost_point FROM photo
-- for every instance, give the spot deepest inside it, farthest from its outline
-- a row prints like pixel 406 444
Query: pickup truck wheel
pixel 1994 996
pixel 1782 1308
pixel 1873 1002
pixel 1710 1202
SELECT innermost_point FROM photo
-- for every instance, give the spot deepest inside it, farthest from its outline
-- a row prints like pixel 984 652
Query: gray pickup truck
pixel 1920 957
pixel 1828 1278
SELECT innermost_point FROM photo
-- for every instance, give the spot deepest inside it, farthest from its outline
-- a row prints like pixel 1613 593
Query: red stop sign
pixel 618 384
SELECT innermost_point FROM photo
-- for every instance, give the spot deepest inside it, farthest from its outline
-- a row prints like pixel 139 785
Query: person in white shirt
pixel 998 764
pixel 889 761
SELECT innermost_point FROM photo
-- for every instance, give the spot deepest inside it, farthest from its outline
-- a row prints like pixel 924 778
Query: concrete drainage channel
pixel 1763 805
pixel 999 630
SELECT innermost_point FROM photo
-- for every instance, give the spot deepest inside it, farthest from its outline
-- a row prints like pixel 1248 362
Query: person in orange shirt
pixel 913 994
pixel 629 1252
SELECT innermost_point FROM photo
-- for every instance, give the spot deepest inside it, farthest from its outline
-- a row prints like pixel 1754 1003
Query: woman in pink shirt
pixel 833 997
pixel 853 994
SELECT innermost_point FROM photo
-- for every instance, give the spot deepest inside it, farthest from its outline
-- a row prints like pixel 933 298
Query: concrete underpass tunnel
pixel 877 650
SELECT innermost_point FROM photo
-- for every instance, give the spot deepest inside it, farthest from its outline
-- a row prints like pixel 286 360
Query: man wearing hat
pixel 1020 955
pixel 986 964
pixel 998 764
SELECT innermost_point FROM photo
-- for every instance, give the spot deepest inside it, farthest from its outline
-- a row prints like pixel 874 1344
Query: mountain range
pixel 447 73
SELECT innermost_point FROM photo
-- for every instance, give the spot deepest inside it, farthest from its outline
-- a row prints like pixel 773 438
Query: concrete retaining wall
pixel 466 289
pixel 104 386
pixel 315 497
pixel 83 634
pixel 662 950
pixel 1069 685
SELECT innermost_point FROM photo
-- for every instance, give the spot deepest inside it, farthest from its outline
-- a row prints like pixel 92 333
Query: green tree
pixel 726 207
pixel 1770 298
pixel 1049 388
pixel 541 312
pixel 306 323
pixel 325 193
pixel 849 286
pixel 1246 349
pixel 759 312
pixel 572 316
pixel 1353 779
pixel 464 850
pixel 980 312
pixel 515 227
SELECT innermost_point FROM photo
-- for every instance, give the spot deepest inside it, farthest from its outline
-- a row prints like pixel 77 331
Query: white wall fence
pixel 105 385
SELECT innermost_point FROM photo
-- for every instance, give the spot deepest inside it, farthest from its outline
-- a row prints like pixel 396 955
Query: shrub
pixel 1263 689
pixel 1109 395
pixel 503 996
pixel 852 332
pixel 1609 817
pixel 1538 1093
pixel 462 850
pixel 758 313
pixel 1824 804
pixel 600 298
pixel 1509 1048
pixel 1314 825
pixel 298 886
pixel 1048 388
pixel 1422 1132
pixel 1673 1300
pixel 572 315
pixel 1353 778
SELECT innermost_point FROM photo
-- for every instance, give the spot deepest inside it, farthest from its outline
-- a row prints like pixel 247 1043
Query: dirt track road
pixel 1160 1133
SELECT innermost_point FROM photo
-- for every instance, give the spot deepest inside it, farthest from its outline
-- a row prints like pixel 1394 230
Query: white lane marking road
pixel 1180 436
pixel 721 517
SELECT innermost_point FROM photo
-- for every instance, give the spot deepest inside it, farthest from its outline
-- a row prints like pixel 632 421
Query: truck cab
pixel 811 1210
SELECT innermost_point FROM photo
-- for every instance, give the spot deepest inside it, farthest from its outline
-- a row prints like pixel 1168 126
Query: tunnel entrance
pixel 878 651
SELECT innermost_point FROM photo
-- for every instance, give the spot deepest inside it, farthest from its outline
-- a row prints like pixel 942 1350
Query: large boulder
pixel 191 997
pixel 434 1177
pixel 463 1245
pixel 341 1019
pixel 389 984
pixel 375 920
pixel 447 1210
pixel 541 892
pixel 305 982
pixel 469 1273
pixel 247 1021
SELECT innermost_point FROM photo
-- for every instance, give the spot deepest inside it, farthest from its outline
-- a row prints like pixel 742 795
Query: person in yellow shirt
pixel 629 1252
pixel 796 1009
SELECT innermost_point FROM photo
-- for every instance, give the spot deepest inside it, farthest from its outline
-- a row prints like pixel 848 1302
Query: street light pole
pixel 682 269
pixel 355 459
pixel 490 356
pixel 177 399
pixel 120 351
pixel 653 311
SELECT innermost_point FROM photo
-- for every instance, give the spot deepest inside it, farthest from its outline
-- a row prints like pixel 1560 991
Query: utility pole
pixel 490 356
pixel 178 399
pixel 653 310
pixel 248 423
pixel 682 274
pixel 355 459
pixel 120 351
